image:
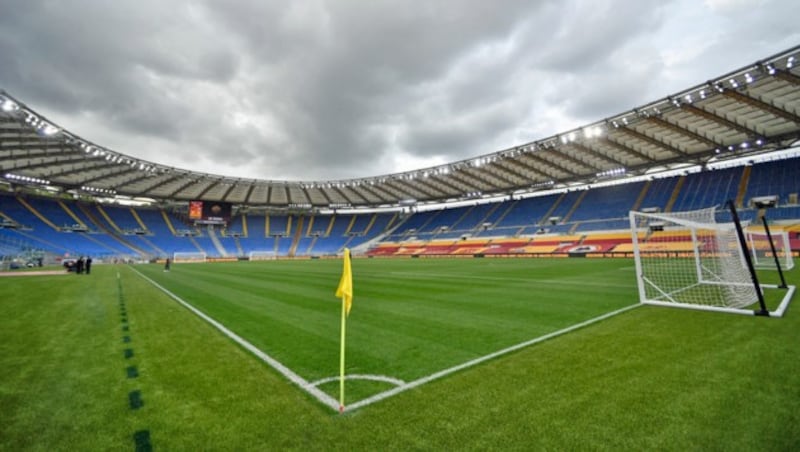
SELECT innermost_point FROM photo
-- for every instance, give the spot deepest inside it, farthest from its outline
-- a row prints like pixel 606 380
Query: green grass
pixel 651 378
pixel 410 318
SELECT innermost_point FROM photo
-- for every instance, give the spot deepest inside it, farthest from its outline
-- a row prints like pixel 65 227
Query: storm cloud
pixel 314 90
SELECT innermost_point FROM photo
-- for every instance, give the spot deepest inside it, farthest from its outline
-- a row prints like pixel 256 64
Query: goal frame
pixel 774 257
pixel 261 255
pixel 185 257
pixel 744 254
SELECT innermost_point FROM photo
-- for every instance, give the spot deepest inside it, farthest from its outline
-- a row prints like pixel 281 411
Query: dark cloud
pixel 324 90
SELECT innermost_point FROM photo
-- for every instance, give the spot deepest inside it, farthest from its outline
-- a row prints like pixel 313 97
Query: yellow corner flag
pixel 345 289
pixel 345 292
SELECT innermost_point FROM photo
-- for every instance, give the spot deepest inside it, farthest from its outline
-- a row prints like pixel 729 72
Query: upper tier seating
pixel 594 219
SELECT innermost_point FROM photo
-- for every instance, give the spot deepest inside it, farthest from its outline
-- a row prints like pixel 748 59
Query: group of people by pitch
pixel 83 265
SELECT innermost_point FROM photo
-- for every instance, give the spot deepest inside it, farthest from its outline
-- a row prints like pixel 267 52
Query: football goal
pixel 762 251
pixel 188 257
pixel 688 259
pixel 261 255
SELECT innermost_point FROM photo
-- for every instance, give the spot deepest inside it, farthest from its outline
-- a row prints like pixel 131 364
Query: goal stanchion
pixel 774 252
pixel 743 243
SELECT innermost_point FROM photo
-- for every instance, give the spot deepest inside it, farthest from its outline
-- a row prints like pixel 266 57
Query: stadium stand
pixel 578 221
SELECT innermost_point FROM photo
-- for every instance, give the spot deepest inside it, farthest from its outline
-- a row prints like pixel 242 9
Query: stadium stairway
pixel 105 216
pixel 138 219
pixel 675 192
pixel 37 213
pixel 298 232
pixel 168 222
pixel 111 233
pixel 238 244
pixel 212 234
pixel 72 214
pixel 743 186
pixel 575 206
pixel 549 213
pixel 642 194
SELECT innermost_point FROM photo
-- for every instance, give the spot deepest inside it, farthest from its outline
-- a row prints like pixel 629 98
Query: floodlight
pixel 763 202
pixel 49 129
pixel 9 105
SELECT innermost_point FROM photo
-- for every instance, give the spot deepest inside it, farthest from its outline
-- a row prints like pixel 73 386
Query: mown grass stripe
pixel 285 371
pixel 466 365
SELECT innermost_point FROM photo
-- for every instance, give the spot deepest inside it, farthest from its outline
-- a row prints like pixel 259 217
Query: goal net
pixel 261 255
pixel 760 249
pixel 188 257
pixel 688 259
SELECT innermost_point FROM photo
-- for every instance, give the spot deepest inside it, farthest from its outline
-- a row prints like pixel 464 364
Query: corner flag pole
pixel 341 358
pixel 345 291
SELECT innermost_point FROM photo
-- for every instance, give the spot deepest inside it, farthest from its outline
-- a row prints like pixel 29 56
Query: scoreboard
pixel 210 212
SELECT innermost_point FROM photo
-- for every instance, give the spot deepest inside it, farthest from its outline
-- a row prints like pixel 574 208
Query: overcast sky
pixel 314 90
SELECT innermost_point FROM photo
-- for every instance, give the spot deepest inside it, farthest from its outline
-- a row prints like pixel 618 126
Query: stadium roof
pixel 753 110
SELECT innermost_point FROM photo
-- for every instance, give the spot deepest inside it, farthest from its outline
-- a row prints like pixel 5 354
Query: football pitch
pixel 412 320
pixel 467 353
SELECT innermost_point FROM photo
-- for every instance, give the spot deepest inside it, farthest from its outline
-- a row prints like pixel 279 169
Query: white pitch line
pixel 383 378
pixel 329 401
pixel 394 391
pixel 272 362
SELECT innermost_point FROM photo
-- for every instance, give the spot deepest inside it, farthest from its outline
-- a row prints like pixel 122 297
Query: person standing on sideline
pixel 79 266
pixel 166 265
pixel 88 264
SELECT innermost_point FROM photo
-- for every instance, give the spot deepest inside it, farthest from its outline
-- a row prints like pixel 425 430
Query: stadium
pixel 495 298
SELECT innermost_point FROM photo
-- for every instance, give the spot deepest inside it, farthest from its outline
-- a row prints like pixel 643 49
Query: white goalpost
pixel 761 250
pixel 688 259
pixel 261 255
pixel 188 257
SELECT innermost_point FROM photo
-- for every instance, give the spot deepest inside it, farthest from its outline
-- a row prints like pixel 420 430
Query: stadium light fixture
pixel 48 129
pixel 593 131
pixel 9 105
pixel 34 180
pixel 31 119
pixel 790 62
pixel 748 78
